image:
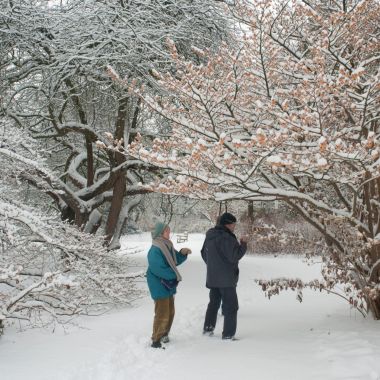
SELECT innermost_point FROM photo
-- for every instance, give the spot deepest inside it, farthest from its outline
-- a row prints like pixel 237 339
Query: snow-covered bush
pixel 50 271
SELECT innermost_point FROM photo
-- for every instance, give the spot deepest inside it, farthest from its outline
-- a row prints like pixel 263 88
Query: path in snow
pixel 282 339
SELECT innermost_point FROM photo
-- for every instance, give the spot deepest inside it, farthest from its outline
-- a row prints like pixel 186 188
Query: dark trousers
pixel 230 306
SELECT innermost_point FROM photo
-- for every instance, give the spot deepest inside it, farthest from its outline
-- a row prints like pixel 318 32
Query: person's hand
pixel 185 251
pixel 244 239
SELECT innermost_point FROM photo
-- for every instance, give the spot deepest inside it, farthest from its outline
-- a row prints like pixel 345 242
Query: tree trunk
pixel 120 183
pixel 83 119
pixel 115 242
pixel 94 222
pixel 250 212
pixel 90 162
pixel 116 205
pixel 374 307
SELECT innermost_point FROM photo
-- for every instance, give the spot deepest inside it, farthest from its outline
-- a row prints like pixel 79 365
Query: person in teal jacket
pixel 163 277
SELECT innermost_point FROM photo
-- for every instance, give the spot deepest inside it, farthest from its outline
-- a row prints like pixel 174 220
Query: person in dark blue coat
pixel 163 278
pixel 221 252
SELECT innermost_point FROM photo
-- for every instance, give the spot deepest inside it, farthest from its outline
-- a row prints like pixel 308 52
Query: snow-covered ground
pixel 321 338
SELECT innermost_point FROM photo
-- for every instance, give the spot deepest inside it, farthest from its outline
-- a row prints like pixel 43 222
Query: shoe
pixel 208 331
pixel 165 339
pixel 229 338
pixel 157 345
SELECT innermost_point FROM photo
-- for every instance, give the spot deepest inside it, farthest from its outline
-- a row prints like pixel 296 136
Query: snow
pixel 100 144
pixel 202 142
pixel 320 338
pixel 322 162
pixel 198 51
pixel 274 159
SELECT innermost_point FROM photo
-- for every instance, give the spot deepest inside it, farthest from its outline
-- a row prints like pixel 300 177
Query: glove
pixel 185 251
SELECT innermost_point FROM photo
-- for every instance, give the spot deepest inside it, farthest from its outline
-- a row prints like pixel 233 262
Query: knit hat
pixel 227 218
pixel 159 228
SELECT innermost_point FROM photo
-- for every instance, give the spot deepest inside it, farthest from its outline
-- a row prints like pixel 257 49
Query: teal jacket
pixel 159 268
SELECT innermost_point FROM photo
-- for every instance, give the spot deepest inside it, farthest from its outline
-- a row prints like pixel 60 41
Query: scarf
pixel 167 248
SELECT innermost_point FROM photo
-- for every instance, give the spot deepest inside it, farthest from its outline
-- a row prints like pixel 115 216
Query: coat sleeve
pixel 159 266
pixel 232 250
pixel 180 258
pixel 203 252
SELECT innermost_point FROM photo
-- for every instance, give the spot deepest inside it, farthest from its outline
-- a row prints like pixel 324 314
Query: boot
pixel 157 344
pixel 208 331
pixel 229 338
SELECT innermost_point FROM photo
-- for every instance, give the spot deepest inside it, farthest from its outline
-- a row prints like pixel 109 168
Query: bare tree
pixel 59 89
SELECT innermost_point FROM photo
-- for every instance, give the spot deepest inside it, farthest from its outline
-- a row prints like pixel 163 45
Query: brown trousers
pixel 163 317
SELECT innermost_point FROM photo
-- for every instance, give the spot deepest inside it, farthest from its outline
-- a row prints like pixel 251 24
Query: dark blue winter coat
pixel 221 252
pixel 158 268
